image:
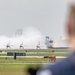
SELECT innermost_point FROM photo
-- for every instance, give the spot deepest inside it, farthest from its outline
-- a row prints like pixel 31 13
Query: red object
pixel 52 58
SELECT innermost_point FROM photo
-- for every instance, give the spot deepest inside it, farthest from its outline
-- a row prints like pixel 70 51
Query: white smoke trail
pixel 30 38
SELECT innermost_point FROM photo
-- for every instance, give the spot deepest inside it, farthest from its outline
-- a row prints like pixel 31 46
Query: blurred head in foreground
pixel 67 65
pixel 70 26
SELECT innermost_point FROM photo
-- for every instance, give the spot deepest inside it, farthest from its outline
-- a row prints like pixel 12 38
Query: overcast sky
pixel 48 16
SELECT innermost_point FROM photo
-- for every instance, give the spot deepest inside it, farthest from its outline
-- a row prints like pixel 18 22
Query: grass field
pixel 15 69
pixel 42 54
pixel 9 66
pixel 36 50
pixel 25 60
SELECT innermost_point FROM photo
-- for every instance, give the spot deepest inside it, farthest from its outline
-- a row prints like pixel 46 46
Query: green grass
pixel 36 50
pixel 11 69
pixel 15 69
pixel 25 60
pixel 3 54
pixel 44 54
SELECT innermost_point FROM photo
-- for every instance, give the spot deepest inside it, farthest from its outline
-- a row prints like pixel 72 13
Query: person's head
pixel 71 26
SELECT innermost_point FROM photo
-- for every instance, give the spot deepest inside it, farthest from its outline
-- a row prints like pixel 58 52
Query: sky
pixel 48 16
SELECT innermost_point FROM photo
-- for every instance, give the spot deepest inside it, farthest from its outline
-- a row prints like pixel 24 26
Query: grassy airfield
pixel 15 69
pixel 9 66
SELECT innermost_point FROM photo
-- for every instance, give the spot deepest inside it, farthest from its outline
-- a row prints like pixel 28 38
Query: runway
pixel 30 57
pixel 28 63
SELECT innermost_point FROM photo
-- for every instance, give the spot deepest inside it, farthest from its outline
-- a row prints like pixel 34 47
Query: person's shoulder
pixel 55 69
pixel 63 64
